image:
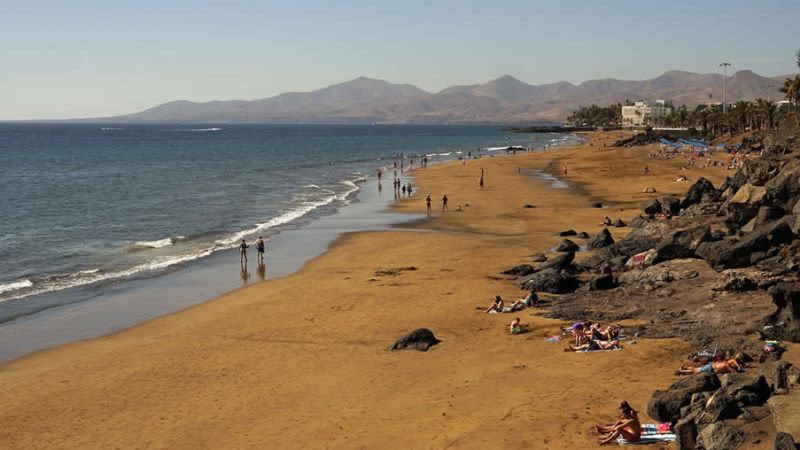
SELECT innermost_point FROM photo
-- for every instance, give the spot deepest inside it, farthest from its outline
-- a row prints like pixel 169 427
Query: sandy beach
pixel 302 361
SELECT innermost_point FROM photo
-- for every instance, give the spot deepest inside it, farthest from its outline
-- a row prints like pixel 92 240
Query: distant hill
pixel 503 100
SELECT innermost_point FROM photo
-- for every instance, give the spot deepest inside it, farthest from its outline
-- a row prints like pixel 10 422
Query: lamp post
pixel 724 66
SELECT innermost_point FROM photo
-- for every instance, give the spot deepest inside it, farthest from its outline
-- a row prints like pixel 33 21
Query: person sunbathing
pixel 628 426
pixel 594 345
pixel 497 306
pixel 603 334
pixel 727 366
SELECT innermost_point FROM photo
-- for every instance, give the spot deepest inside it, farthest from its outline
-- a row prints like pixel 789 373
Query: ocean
pixel 87 204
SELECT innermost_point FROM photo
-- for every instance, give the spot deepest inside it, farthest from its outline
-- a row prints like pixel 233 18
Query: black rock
pixel 583 235
pixel 786 184
pixel 784 441
pixel 619 223
pixel 750 249
pixel 686 432
pixel 671 204
pixel 560 263
pixel 682 243
pixel 420 339
pixel 566 233
pixel 603 282
pixel 665 405
pixel 529 206
pixel 539 257
pixel 596 205
pixel 652 206
pixel 784 323
pixel 720 436
pixel 551 281
pixel 519 270
pixel 719 407
pixel 696 192
pixel 600 240
pixel 748 391
pixel 567 246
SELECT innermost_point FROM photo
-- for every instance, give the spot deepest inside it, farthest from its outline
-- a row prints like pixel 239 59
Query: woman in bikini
pixel 628 426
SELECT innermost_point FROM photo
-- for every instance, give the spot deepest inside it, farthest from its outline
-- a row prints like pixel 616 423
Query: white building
pixel 644 113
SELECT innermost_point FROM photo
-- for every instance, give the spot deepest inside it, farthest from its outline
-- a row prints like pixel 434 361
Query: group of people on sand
pixel 243 246
pixel 499 307
pixel 593 336
pixel 712 364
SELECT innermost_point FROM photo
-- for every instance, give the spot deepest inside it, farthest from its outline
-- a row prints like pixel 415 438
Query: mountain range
pixel 503 100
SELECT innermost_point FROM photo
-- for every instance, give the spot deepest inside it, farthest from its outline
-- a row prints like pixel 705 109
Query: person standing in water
pixel 260 248
pixel 243 251
pixel 404 190
pixel 408 189
pixel 444 203
pixel 428 203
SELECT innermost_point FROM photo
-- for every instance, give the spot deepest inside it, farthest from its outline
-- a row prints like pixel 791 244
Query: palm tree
pixel 791 87
pixel 769 113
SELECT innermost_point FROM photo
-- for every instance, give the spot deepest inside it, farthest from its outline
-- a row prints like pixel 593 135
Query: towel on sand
pixel 652 433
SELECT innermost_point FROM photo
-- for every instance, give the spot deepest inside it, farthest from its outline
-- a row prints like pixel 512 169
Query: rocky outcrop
pixel 665 405
pixel 784 323
pixel 682 243
pixel 652 206
pixel 567 246
pixel 520 270
pixel 551 281
pixel 751 248
pixel 696 192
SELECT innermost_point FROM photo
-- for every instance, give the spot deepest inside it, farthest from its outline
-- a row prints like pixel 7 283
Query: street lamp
pixel 724 66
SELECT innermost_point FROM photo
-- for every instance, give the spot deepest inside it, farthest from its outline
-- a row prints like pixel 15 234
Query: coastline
pixel 246 367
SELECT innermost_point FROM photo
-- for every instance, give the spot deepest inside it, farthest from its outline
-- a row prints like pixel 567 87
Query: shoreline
pixel 348 304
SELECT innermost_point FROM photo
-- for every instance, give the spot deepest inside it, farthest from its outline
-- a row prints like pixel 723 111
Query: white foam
pixel 160 243
pixel 15 285
pixel 111 129
pixel 206 129
pixel 446 154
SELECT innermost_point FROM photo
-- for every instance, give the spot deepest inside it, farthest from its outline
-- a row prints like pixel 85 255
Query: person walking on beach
pixel 444 203
pixel 260 249
pixel 408 189
pixel 404 190
pixel 428 203
pixel 243 251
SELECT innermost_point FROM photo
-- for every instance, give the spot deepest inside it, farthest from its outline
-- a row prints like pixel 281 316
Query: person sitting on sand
pixel 497 306
pixel 603 334
pixel 516 326
pixel 728 366
pixel 628 426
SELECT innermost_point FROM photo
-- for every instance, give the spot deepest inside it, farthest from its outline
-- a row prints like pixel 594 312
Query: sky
pixel 78 59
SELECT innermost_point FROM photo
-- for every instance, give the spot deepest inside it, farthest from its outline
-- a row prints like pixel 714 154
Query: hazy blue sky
pixel 93 58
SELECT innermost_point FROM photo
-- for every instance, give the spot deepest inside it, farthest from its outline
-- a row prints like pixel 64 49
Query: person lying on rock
pixel 728 366
pixel 628 426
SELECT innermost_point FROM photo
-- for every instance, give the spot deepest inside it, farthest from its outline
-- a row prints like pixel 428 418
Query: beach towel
pixel 588 350
pixel 651 434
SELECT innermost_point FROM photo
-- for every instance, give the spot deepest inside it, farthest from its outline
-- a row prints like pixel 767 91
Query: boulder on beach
pixel 695 195
pixel 720 436
pixel 551 281
pixel 420 339
pixel 520 270
pixel 619 223
pixel 600 240
pixel 539 257
pixel 665 405
pixel 603 282
pixel 567 246
pixel 652 206
pixel 567 233
pixel 596 204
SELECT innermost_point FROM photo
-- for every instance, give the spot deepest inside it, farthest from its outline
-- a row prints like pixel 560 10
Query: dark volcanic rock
pixel 665 406
pixel 652 206
pixel 420 339
pixel 551 281
pixel 784 441
pixel 619 223
pixel 686 432
pixel 671 204
pixel 603 282
pixel 566 233
pixel 560 262
pixel 720 436
pixel 750 249
pixel 567 246
pixel 539 257
pixel 786 184
pixel 600 240
pixel 785 321
pixel 596 204
pixel 520 270
pixel 696 191
pixel 682 243
pixel 583 235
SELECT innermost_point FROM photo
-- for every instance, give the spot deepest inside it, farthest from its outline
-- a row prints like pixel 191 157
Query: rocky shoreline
pixel 717 268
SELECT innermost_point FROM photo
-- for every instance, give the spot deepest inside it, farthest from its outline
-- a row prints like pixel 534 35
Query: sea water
pixel 82 204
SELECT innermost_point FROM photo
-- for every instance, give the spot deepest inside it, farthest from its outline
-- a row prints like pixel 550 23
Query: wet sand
pixel 301 361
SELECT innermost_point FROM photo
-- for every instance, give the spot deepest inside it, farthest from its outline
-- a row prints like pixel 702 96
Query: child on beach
pixel 516 326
